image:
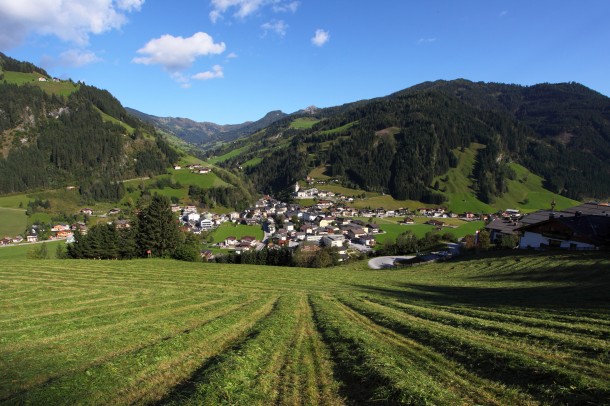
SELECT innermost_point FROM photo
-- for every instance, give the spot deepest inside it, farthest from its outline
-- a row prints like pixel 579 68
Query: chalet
pixel 192 216
pixel 87 211
pixel 207 255
pixel 60 227
pixel 230 241
pixel 324 204
pixel 578 232
pixel 367 240
pixel 122 224
pixel 175 208
pixel 17 239
pixel 234 216
pixel 408 220
pixel 355 232
pixel 499 228
pixel 177 167
pixel 307 229
pixel 190 209
pixel 251 241
pixel 203 171
pixel 5 241
pixel 41 79
pixel 32 238
pixel 64 234
pixel 435 223
pixel 374 228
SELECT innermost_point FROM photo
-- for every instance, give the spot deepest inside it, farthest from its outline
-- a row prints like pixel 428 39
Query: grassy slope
pixel 525 192
pixel 62 88
pixel 238 231
pixel 509 330
pixel 12 222
pixel 303 123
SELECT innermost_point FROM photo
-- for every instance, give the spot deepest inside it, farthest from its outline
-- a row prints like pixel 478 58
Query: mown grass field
pixel 62 88
pixel 236 230
pixel 529 329
pixel 12 222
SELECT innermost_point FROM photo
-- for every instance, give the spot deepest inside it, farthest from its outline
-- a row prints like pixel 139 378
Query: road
pixel 386 262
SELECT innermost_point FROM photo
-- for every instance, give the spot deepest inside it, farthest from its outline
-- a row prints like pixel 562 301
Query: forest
pixel 400 143
pixel 50 141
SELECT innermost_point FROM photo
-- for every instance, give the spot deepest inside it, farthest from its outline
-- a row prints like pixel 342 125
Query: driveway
pixel 386 262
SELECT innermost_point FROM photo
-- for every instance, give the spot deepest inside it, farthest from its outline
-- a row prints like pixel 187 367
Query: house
pixel 64 234
pixel 177 167
pixel 355 232
pixel 17 239
pixel 5 241
pixel 230 241
pixel 248 240
pixel 408 220
pixel 498 228
pixel 175 208
pixel 122 224
pixel 190 209
pixel 206 224
pixel 32 238
pixel 87 211
pixel 334 240
pixel 435 223
pixel 41 79
pixel 114 211
pixel 367 240
pixel 207 255
pixel 579 232
pixel 60 227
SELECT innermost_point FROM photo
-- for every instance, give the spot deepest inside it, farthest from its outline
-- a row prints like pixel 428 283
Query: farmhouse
pixel 333 240
pixel 577 232
pixel 87 211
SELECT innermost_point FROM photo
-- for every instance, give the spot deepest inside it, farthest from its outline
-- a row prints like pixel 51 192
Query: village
pixel 331 222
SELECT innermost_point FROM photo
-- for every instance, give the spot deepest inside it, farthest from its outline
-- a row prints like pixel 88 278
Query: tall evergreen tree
pixel 158 230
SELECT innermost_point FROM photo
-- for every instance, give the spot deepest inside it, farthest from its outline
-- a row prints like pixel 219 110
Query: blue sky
pixel 228 61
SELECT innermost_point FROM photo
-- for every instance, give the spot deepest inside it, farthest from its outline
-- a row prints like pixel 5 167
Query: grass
pixel 62 88
pixel 522 329
pixel 303 123
pixel 12 222
pixel 525 192
pixel 236 230
pixel 108 118
pixel 15 201
pixel 228 155
pixel 21 251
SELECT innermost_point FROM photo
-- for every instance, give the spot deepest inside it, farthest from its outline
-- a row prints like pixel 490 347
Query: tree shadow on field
pixel 583 296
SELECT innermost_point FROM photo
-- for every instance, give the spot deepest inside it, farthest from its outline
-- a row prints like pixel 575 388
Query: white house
pixel 333 240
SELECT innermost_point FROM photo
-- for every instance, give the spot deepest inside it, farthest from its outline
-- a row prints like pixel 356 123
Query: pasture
pixel 12 222
pixel 527 329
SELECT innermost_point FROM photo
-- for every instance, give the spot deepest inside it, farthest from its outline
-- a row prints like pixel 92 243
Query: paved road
pixel 386 262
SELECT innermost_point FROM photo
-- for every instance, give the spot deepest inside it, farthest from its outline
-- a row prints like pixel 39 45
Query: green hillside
pixel 528 329
pixel 61 88
pixel 525 192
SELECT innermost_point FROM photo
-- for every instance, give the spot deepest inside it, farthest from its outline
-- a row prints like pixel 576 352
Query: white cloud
pixel 286 7
pixel 232 55
pixel 178 53
pixel 279 27
pixel 70 20
pixel 425 41
pixel 320 38
pixel 77 58
pixel 215 73
pixel 244 8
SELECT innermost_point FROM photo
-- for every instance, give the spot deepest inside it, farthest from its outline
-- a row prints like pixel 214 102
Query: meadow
pixel 522 329
pixel 12 222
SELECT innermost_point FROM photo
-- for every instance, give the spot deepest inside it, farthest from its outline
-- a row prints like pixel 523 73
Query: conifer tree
pixel 158 230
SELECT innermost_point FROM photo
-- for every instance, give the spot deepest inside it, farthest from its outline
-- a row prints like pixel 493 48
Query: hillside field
pixel 12 222
pixel 522 329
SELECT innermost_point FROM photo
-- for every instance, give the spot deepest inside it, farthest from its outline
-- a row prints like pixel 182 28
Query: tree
pixel 39 253
pixel 158 230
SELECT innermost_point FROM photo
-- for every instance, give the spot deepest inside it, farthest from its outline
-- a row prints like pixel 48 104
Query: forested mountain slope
pixel 398 144
pixel 54 133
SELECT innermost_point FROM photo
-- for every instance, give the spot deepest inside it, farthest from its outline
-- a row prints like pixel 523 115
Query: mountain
pixel 56 133
pixel 206 133
pixel 405 143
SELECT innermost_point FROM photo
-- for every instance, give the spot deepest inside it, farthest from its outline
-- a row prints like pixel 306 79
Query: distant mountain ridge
pixel 206 133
